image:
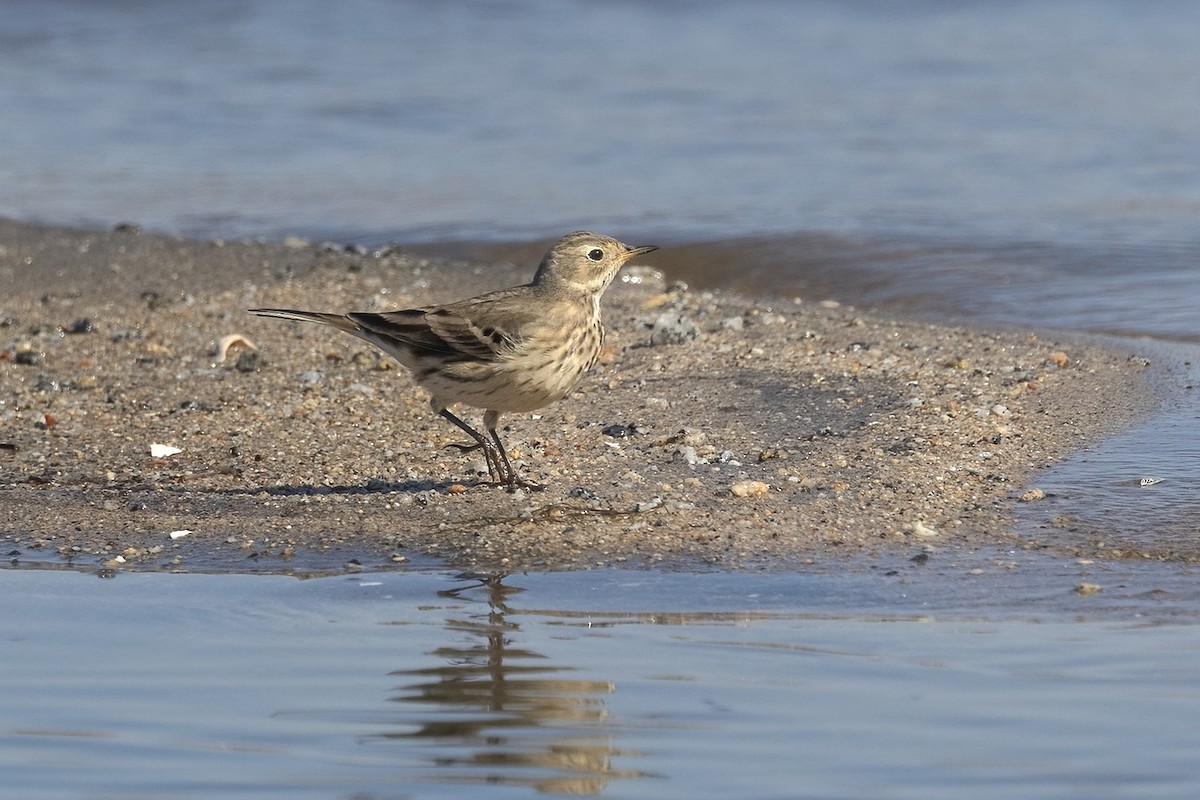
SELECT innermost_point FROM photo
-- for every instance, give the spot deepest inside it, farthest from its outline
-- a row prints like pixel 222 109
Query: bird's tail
pixel 338 321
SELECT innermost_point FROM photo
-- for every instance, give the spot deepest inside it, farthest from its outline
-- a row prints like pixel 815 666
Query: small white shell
pixel 226 342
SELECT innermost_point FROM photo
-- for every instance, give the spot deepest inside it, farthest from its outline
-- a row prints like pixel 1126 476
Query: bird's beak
pixel 634 252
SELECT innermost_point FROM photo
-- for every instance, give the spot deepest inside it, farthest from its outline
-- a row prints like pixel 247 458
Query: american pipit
pixel 515 350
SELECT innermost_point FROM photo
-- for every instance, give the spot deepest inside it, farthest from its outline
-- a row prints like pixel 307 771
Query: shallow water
pixel 1055 121
pixel 906 683
pixel 1137 491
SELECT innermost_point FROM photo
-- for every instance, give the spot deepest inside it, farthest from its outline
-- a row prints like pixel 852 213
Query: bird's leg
pixel 514 481
pixel 501 472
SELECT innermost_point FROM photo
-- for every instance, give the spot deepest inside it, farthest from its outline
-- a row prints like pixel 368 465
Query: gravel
pixel 717 429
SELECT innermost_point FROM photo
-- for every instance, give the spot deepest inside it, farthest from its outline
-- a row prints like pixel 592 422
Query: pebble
pixel 1032 495
pixel 311 377
pixel 248 361
pixel 924 531
pixel 648 505
pixel 619 431
pixel 672 327
pixel 749 488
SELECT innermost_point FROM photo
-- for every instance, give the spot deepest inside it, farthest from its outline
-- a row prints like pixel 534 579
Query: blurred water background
pixel 1029 162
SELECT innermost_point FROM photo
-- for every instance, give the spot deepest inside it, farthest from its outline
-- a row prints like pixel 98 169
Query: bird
pixel 509 351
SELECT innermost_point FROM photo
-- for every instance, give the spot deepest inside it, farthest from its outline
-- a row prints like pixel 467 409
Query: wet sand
pixel 718 429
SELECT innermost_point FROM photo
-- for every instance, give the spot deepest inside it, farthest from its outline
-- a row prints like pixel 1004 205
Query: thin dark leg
pixel 512 476
pixel 502 473
pixel 513 479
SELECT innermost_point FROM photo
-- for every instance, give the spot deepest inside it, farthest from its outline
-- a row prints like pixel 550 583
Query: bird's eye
pixel 596 254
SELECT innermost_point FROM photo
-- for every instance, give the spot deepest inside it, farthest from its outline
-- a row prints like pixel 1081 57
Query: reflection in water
pixel 493 712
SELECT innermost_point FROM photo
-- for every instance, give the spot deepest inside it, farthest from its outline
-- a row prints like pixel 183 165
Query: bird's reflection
pixel 492 711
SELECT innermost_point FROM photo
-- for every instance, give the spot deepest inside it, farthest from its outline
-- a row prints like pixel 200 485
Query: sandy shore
pixel 718 429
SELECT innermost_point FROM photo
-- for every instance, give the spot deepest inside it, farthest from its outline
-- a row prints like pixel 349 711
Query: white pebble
pixel 923 530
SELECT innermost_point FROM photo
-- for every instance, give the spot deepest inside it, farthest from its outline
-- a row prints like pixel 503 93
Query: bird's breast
pixel 543 368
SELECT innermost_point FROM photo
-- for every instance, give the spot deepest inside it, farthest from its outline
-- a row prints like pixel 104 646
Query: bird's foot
pixel 517 482
pixel 499 470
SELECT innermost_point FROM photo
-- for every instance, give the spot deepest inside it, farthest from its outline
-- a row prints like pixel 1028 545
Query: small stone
pixel 648 505
pixel 749 489
pixel 672 328
pixel 1087 589
pixel 455 488
pixel 364 359
pixel 311 377
pixel 247 361
pixel 924 531
pixel 1032 495
pixel 1059 359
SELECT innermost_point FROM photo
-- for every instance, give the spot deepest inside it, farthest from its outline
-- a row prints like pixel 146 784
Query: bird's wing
pixel 487 327
pixel 407 329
